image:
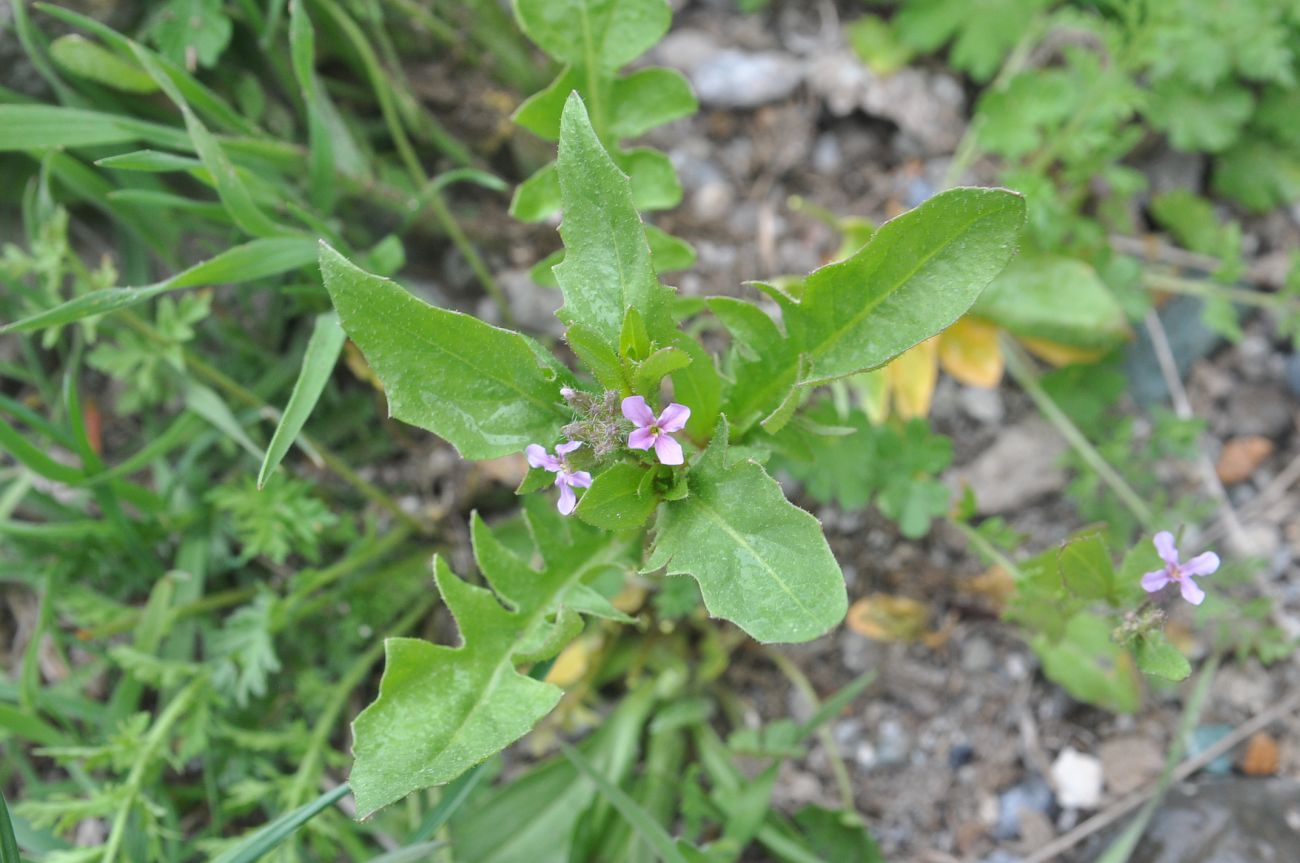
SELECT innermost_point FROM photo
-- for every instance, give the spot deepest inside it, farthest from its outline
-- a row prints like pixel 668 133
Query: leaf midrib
pixel 871 305
pixel 744 543
pixel 608 554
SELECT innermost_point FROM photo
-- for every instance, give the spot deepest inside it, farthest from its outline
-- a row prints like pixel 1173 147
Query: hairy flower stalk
pixel 656 431
pixel 566 479
pixel 1180 573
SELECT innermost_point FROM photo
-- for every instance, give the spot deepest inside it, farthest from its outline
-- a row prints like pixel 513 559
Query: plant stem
pixel 1021 368
pixel 1172 284
pixel 988 549
pixel 800 682
pixel 155 739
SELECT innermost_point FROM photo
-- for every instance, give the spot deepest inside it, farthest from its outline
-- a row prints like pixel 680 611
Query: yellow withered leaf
pixel 969 351
pixel 1061 355
pixel 912 376
pixel 885 617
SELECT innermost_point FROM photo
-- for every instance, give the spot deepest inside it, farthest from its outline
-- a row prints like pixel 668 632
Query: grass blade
pixel 257 259
pixel 644 823
pixel 8 844
pixel 322 353
pixel 256 846
pixel 411 854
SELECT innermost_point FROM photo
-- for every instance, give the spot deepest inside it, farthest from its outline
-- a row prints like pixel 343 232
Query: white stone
pixel 1076 778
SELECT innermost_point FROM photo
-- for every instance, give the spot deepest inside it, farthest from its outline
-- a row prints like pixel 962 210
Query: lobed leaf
pixel 441 710
pixel 485 390
pixel 761 562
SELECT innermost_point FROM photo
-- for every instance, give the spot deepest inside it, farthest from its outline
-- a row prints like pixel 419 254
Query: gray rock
pixel 729 78
pixel 893 744
pixel 1260 409
pixel 1033 795
pixel 977 654
pixel 1021 465
pixel 982 404
pixel 1229 821
pixel 1189 340
pixel 1293 374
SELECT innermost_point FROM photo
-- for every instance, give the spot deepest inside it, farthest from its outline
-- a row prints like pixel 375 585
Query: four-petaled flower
pixel 652 431
pixel 566 478
pixel 1202 564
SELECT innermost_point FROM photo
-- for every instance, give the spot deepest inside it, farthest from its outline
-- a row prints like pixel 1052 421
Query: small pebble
pixel 1202 739
pixel 1076 776
pixel 1033 794
pixel 960 755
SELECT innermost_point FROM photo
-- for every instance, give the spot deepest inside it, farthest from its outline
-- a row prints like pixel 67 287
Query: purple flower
pixel 566 478
pixel 1202 564
pixel 652 431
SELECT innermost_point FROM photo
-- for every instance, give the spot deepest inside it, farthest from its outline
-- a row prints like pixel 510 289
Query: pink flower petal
pixel 1153 581
pixel 579 479
pixel 538 457
pixel 642 438
pixel 567 447
pixel 1164 542
pixel 567 500
pixel 674 417
pixel 1191 592
pixel 636 410
pixel 1202 564
pixel 668 450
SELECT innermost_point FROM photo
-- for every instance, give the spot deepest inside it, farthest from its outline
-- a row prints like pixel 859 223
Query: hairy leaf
pixel 485 390
pixel 917 274
pixel 761 562
pixel 441 710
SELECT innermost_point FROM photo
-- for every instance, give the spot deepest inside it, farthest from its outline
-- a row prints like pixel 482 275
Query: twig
pixel 1183 408
pixel 1127 804
pixel 1019 366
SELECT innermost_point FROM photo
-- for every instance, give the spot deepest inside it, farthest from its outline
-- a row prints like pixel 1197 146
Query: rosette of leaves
pixel 761 562
pixel 593 39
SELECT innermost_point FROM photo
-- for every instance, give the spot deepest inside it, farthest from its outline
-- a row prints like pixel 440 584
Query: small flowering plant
pixel 656 440
pixel 1177 573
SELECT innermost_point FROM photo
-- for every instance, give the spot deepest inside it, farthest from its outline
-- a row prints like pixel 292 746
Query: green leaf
pixel 441 710
pixel 615 502
pixel 79 56
pixel 256 259
pixel 648 98
pixel 1256 173
pixel 191 32
pixel 264 840
pixel 917 274
pixel 8 844
pixel 698 385
pixel 485 390
pixel 669 253
pixel 654 180
pixel 1199 120
pixel 538 197
pixel 1054 298
pixel 1157 657
pixel 606 268
pixel 43 127
pixel 644 823
pixel 234 194
pixel 1085 567
pixel 302 51
pixel 838 836
pixel 761 562
pixel 598 357
pixel 654 368
pixel 540 112
pixel 594 34
pixel 1090 666
pixel 323 349
pixel 151 161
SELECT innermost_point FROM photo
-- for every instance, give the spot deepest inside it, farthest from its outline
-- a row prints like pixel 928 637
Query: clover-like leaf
pixel 761 562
